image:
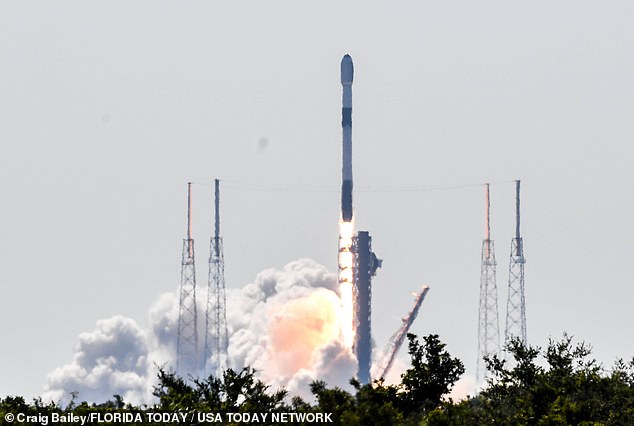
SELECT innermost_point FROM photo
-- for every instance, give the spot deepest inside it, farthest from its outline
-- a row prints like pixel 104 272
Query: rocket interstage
pixel 346 225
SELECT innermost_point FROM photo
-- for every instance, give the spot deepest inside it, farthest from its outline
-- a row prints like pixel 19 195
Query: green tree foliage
pixel 15 405
pixel 559 385
pixel 572 389
pixel 378 404
pixel 235 392
pixel 336 401
pixel 432 374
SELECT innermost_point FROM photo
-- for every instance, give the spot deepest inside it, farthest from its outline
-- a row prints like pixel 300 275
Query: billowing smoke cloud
pixel 285 325
pixel 113 358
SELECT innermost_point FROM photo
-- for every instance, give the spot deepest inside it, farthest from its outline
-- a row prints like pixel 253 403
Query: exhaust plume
pixel 286 325
pixel 346 274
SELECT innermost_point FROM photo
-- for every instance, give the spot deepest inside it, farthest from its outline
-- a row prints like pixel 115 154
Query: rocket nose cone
pixel 347 70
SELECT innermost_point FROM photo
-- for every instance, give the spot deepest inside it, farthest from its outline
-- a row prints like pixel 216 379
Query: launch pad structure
pixel 365 266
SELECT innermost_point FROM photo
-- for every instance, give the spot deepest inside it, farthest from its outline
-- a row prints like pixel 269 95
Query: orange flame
pixel 346 273
pixel 299 328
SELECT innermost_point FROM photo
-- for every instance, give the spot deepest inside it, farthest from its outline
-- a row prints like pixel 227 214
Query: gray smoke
pixel 112 359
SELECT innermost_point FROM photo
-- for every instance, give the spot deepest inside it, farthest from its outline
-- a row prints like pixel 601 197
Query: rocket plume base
pixel 346 277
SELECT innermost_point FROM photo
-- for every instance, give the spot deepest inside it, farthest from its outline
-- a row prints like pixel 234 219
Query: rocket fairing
pixel 347 74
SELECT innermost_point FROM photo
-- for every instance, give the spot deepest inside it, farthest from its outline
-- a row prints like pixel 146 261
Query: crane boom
pixel 396 341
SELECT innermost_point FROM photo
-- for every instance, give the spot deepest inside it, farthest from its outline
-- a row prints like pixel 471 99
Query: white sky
pixel 107 109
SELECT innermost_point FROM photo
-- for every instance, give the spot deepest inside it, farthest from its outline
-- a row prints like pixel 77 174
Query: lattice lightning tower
pixel 216 336
pixel 488 328
pixel 516 304
pixel 187 338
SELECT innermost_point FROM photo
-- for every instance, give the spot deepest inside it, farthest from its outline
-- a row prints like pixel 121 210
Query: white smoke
pixel 285 325
pixel 112 359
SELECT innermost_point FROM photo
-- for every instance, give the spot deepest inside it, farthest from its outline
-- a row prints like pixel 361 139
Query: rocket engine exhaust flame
pixel 346 264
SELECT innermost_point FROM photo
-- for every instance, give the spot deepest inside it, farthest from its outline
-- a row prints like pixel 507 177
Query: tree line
pixel 557 385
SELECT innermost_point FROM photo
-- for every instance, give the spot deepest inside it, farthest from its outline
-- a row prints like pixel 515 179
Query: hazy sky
pixel 107 109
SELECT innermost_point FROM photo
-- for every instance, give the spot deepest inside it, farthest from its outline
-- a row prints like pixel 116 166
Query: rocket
pixel 346 231
pixel 347 74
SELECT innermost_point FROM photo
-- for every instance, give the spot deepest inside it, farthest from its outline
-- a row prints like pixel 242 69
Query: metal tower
pixel 488 328
pixel 187 338
pixel 397 339
pixel 216 336
pixel 366 264
pixel 515 304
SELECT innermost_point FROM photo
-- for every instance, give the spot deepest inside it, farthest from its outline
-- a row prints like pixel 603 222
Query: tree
pixel 237 391
pixel 559 385
pixel 336 401
pixel 432 374
pixel 571 390
pixel 377 403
